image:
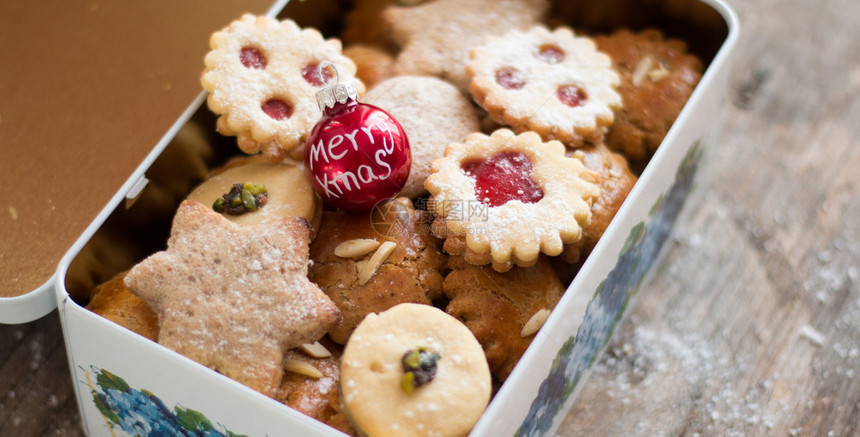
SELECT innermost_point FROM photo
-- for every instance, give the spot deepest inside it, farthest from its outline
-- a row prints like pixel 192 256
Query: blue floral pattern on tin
pixel 606 309
pixel 141 413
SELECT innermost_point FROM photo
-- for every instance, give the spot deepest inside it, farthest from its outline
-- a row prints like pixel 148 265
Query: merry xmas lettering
pixel 336 147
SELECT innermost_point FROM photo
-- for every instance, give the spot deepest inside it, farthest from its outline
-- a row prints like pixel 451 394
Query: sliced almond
pixel 534 323
pixel 356 248
pixel 315 350
pixel 658 73
pixel 302 368
pixel 368 270
pixel 359 266
pixel 642 69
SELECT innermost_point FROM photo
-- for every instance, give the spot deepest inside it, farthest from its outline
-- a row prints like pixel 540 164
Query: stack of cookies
pixel 522 137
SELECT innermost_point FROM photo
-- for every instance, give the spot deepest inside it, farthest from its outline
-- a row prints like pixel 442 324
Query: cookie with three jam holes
pixel 262 75
pixel 550 82
pixel 509 197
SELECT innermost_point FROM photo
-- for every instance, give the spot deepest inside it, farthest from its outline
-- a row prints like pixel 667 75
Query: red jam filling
pixel 510 78
pixel 571 95
pixel 503 177
pixel 312 76
pixel 550 53
pixel 277 109
pixel 252 57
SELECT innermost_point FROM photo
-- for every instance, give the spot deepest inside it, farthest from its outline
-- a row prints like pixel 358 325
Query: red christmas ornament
pixel 357 154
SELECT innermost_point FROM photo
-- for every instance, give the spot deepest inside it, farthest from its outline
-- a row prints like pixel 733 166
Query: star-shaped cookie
pixel 436 36
pixel 232 297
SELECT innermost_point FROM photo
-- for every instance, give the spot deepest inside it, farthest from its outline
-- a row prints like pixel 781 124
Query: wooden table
pixel 750 324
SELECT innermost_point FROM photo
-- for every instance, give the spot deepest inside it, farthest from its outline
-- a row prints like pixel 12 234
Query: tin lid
pixel 86 91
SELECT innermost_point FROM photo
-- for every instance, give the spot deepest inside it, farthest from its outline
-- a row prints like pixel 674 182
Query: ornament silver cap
pixel 339 92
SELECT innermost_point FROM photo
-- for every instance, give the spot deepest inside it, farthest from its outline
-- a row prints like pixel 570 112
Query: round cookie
pixel 373 65
pixel 615 182
pixel 113 301
pixel 374 384
pixel 262 76
pixel 432 112
pixel 510 197
pixel 551 82
pixel 411 272
pixel 657 77
pixel 497 307
pixel 288 190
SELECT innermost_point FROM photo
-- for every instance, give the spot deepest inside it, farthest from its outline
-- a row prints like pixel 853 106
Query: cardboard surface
pixel 86 90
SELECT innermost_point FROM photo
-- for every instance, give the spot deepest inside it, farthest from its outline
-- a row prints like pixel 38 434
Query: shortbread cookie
pixel 414 371
pixel 234 297
pixel 511 197
pixel 503 310
pixel 657 77
pixel 373 64
pixel 432 112
pixel 549 82
pixel 282 190
pixel 263 75
pixel 615 180
pixel 367 262
pixel 436 36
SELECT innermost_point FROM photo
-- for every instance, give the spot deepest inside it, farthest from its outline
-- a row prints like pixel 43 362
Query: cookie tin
pixel 86 91
pixel 126 384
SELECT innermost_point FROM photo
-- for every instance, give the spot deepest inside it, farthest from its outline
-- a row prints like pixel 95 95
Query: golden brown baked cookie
pixel 497 307
pixel 433 114
pixel 550 82
pixel 351 266
pixel 113 301
pixel 437 35
pixel 233 297
pixel 510 197
pixel 615 181
pixel 315 395
pixel 364 25
pixel 414 370
pixel 373 64
pixel 657 77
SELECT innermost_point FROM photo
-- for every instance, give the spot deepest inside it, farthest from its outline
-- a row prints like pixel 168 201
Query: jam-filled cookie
pixel 263 74
pixel 414 371
pixel 657 77
pixel 432 112
pixel 436 36
pixel 510 197
pixel 503 310
pixel 370 261
pixel 550 82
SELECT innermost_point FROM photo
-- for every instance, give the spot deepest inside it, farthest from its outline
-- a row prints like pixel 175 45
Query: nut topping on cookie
pixel 233 297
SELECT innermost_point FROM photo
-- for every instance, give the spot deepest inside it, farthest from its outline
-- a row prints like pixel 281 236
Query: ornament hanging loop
pixel 336 93
pixel 321 68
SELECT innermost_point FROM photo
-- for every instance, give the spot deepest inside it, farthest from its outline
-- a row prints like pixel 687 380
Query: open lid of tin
pixel 86 90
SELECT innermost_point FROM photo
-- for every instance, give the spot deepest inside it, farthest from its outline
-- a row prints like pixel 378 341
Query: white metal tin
pixel 111 364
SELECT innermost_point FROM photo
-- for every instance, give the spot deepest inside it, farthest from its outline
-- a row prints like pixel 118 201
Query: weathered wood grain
pixel 751 323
